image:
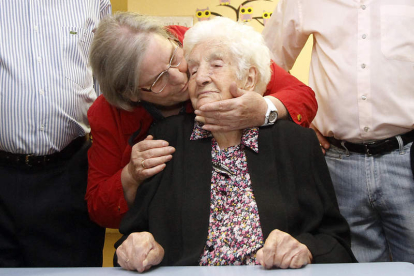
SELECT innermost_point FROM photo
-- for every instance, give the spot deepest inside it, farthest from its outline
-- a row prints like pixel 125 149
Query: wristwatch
pixel 271 113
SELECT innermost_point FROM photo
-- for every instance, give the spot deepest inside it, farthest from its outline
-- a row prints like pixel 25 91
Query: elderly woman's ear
pixel 251 80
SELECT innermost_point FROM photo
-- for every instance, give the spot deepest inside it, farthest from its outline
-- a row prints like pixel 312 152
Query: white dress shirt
pixel 46 85
pixel 362 67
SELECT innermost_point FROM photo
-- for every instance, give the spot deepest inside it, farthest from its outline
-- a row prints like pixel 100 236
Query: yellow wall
pixel 189 7
pixel 119 5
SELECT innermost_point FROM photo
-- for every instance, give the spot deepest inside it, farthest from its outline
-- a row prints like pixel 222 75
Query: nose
pixel 178 75
pixel 202 76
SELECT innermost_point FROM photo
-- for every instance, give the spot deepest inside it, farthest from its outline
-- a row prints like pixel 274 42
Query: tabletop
pixel 361 269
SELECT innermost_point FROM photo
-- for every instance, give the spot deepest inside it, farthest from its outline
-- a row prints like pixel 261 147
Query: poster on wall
pixel 244 11
pixel 186 21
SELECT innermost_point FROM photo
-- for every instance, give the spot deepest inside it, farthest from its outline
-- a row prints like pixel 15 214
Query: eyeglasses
pixel 162 79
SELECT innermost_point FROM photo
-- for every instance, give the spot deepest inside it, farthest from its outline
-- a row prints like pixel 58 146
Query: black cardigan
pixel 290 181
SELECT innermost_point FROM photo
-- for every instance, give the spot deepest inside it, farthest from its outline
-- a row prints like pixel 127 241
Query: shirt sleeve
pixel 105 9
pixel 284 33
pixel 104 194
pixel 285 38
pixel 96 87
pixel 298 98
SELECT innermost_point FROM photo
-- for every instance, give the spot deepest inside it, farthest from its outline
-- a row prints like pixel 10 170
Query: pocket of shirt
pixel 397 32
pixel 76 44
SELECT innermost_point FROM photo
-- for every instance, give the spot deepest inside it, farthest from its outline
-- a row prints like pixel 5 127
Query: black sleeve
pixel 136 219
pixel 330 243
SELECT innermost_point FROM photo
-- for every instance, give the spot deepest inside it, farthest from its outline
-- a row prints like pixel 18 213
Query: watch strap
pixel 270 107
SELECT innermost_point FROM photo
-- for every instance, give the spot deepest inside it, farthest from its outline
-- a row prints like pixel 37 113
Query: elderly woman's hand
pixel 283 251
pixel 246 109
pixel 139 252
pixel 148 158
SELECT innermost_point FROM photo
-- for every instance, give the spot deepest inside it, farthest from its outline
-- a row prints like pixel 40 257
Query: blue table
pixel 363 269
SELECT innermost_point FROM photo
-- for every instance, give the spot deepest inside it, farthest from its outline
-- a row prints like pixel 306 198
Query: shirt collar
pixel 155 112
pixel 250 136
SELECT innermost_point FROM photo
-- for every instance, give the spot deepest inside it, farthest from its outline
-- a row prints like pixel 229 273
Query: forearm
pixel 129 185
pixel 326 248
pixel 298 99
pixel 106 202
pixel 281 109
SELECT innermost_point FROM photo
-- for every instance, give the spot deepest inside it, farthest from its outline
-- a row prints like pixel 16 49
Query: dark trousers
pixel 44 220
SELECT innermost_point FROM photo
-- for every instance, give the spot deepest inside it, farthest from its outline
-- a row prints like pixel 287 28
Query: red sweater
pixel 112 127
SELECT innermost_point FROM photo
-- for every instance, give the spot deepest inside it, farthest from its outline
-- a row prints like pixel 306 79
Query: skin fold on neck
pixel 228 138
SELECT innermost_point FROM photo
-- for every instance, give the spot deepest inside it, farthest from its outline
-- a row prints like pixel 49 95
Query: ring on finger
pixel 127 260
pixel 142 164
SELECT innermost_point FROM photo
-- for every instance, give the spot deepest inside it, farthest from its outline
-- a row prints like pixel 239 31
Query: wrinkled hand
pixel 283 251
pixel 246 109
pixel 148 158
pixel 325 145
pixel 139 252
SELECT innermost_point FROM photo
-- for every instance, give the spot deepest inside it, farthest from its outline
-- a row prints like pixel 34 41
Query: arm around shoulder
pixel 104 195
pixel 298 99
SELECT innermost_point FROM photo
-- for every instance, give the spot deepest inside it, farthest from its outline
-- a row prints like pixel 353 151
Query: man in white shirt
pixel 362 72
pixel 46 88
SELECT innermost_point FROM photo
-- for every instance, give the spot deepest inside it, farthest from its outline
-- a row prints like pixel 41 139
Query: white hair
pixel 244 43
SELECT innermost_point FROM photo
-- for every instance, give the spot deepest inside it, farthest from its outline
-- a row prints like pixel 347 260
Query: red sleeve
pixel 110 152
pixel 298 98
pixel 178 31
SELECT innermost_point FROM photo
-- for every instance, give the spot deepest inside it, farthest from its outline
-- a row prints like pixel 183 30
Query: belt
pixel 29 160
pixel 373 148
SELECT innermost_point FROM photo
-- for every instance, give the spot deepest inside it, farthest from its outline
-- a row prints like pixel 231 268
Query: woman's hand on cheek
pixel 139 252
pixel 283 251
pixel 246 109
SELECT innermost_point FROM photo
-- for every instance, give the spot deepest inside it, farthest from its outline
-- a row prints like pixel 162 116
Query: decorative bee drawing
pixel 266 17
pixel 203 14
pixel 246 13
pixel 224 2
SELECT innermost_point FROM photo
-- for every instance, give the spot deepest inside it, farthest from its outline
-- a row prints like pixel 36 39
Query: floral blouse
pixel 234 233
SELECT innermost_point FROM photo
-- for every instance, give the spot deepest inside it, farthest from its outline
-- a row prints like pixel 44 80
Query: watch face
pixel 272 116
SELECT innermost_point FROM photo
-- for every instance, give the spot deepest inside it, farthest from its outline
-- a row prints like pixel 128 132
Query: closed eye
pixel 192 69
pixel 217 63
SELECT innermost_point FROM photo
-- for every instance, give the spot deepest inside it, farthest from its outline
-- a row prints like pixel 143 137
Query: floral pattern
pixel 234 234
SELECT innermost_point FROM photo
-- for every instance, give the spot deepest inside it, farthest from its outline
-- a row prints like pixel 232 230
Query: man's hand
pixel 148 158
pixel 283 251
pixel 325 145
pixel 139 252
pixel 247 109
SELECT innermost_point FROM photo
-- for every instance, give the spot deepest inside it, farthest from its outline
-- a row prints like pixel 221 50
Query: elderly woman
pixel 234 197
pixel 143 76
